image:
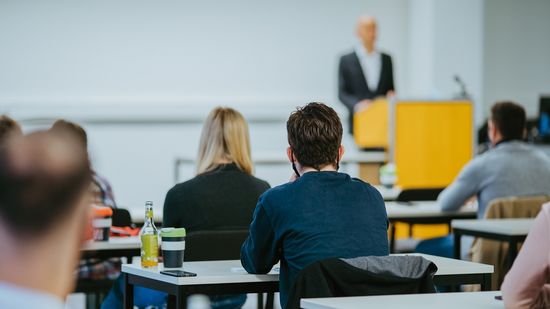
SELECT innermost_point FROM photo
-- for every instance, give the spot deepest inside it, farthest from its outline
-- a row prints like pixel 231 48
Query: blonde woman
pixel 222 195
pixel 224 192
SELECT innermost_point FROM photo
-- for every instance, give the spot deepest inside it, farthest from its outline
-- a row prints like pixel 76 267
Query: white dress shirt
pixel 13 296
pixel 371 64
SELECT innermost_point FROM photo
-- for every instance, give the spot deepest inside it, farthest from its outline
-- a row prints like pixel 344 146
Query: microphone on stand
pixel 463 94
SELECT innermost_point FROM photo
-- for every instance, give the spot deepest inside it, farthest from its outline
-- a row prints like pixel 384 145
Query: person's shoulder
pixel 537 152
pixel 367 187
pixel 259 183
pixel 185 186
pixel 347 56
pixel 276 195
pixel 545 213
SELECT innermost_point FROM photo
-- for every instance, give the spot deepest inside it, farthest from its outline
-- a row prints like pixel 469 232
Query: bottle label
pixel 149 250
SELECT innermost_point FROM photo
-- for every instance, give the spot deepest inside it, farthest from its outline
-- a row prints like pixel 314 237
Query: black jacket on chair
pixel 363 276
pixel 352 83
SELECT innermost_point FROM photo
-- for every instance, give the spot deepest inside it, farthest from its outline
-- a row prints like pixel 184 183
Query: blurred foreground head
pixel 44 177
pixel 9 128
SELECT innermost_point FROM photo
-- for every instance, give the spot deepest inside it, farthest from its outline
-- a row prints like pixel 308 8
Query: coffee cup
pixel 173 246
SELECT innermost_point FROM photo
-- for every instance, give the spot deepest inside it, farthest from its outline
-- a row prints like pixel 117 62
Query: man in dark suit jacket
pixel 365 73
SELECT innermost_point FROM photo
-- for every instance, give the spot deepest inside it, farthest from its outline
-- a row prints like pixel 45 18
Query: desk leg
pixel 457 245
pixel 128 293
pixel 181 299
pixel 487 282
pixel 260 304
pixel 269 300
pixel 512 253
pixel 392 237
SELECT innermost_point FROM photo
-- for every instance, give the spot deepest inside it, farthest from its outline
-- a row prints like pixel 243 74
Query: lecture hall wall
pixel 142 75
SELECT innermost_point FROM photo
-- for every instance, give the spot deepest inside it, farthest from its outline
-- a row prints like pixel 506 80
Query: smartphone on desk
pixel 178 273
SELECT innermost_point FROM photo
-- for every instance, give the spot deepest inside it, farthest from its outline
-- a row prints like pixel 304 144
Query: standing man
pixel 366 73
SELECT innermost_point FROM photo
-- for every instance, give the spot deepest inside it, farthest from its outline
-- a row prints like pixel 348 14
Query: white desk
pixel 114 247
pixel 114 243
pixel 213 277
pixel 417 211
pixel 506 227
pixel 425 212
pixel 389 194
pixel 478 300
pixel 512 231
pixel 228 277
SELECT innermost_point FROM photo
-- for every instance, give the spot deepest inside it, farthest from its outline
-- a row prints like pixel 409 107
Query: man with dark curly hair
pixel 321 213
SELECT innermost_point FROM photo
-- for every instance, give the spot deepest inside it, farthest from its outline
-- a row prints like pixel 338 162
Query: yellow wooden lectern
pixel 429 141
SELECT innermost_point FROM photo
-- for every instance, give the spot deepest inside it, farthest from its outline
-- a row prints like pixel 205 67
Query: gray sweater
pixel 510 169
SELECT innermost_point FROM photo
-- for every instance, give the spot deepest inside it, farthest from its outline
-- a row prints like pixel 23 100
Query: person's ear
pixel 491 130
pixel 290 155
pixel 341 151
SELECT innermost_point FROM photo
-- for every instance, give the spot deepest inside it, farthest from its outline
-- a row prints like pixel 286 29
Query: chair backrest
pixel 516 207
pixel 494 252
pixel 363 276
pixel 214 245
pixel 121 217
pixel 409 195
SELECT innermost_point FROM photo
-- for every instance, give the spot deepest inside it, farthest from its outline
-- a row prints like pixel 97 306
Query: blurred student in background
pixel 221 196
pixel 103 192
pixel 101 195
pixel 44 182
pixel 511 168
pixel 8 128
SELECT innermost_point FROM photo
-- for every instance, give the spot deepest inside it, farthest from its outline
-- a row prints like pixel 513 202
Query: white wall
pixel 141 75
pixel 517 52
pixel 208 51
pixel 446 39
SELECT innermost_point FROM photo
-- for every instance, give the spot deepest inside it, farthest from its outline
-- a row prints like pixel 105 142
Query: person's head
pixel 8 128
pixel 315 137
pixel 367 30
pixel 44 212
pixel 507 122
pixel 43 179
pixel 224 139
pixel 62 126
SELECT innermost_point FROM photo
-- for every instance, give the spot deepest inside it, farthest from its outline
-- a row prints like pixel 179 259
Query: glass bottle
pixel 149 239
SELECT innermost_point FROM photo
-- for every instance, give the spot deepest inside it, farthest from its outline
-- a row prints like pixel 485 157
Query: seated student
pixel 8 128
pixel 511 168
pixel 322 213
pixel 222 195
pixel 44 181
pixel 224 192
pixel 102 195
pixel 102 191
pixel 526 284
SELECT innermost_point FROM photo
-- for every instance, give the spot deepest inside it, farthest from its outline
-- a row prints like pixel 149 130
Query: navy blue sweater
pixel 321 215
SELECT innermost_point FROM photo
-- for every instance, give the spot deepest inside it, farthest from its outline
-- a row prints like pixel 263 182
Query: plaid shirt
pixel 97 269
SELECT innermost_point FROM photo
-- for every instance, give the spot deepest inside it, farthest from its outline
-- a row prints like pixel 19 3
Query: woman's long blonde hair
pixel 224 137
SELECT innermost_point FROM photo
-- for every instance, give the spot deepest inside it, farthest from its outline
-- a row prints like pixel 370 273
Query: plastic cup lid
pixel 172 232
